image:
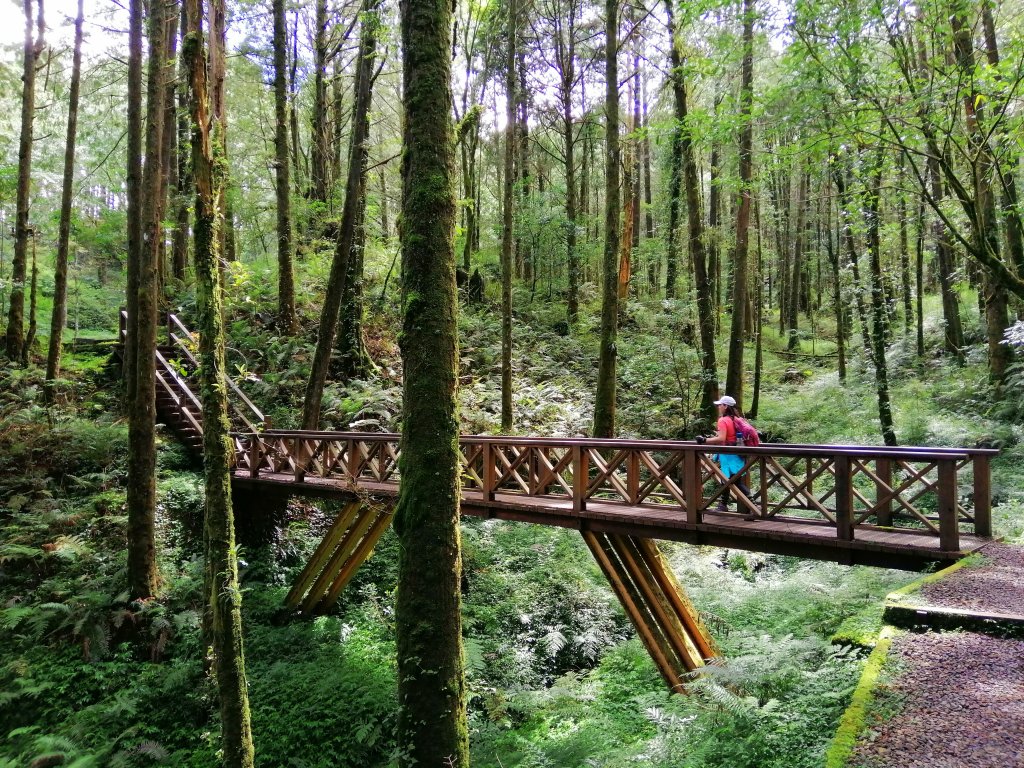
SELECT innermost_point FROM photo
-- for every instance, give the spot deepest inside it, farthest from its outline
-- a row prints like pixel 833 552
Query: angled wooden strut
pixel 346 546
pixel 665 619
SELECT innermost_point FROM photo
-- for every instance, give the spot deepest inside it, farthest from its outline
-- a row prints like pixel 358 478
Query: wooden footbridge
pixel 900 507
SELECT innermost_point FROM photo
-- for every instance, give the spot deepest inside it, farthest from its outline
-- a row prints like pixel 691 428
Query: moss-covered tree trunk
pixel 507 216
pixel 142 570
pixel 285 248
pixel 432 728
pixel 224 600
pixel 58 318
pixel 16 311
pixel 604 401
pixel 355 191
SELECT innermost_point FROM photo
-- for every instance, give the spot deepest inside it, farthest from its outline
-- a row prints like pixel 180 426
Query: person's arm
pixel 718 439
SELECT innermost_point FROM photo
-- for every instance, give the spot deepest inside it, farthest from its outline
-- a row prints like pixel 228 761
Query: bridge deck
pixel 903 548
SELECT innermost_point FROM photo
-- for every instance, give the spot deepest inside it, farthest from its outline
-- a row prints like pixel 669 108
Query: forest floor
pixel 950 697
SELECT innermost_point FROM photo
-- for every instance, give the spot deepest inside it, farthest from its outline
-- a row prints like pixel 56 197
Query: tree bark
pixel 58 319
pixel 507 218
pixel 183 187
pixel 22 231
pixel 604 400
pixel 355 190
pixel 432 727
pixel 142 570
pixel 695 216
pixel 285 245
pixel 737 332
pixel 871 215
pixel 320 140
pixel 223 596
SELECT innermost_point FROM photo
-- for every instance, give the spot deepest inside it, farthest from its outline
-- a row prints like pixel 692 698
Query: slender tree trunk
pixel 285 246
pixel 319 142
pixel 33 48
pixel 796 275
pixel 846 203
pixel 759 322
pixel 507 234
pixel 432 728
pixel 30 337
pixel 133 185
pixel 60 278
pixel 604 401
pixel 737 332
pixel 355 190
pixel 224 598
pixel 874 190
pixel 839 305
pixel 695 216
pixel 919 277
pixel 142 570
pixel 183 188
pixel 985 225
pixel 169 177
pixel 714 236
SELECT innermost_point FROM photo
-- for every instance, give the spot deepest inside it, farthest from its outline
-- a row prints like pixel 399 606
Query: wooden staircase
pixel 177 404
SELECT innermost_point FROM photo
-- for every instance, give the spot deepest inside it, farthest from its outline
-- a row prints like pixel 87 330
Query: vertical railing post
pixel 844 499
pixel 299 458
pixel 580 476
pixel 693 490
pixel 352 459
pixel 633 476
pixel 763 496
pixel 488 478
pixel 254 455
pixel 883 486
pixel 982 496
pixel 949 528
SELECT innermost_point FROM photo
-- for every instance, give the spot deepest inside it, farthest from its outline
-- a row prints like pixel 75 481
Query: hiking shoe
pixel 721 507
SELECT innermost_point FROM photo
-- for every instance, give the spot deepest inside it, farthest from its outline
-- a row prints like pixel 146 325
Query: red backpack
pixel 745 433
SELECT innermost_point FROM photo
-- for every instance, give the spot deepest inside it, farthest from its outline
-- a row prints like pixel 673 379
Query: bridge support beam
pixel 345 547
pixel 665 619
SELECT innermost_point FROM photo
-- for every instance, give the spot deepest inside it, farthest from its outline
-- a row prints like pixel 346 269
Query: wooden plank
pixel 348 545
pixel 678 598
pixel 684 648
pixel 362 552
pixel 982 495
pixel 883 504
pixel 668 672
pixel 949 529
pixel 844 499
pixel 327 545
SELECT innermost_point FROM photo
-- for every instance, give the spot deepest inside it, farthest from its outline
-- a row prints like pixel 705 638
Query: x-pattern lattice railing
pixel 846 487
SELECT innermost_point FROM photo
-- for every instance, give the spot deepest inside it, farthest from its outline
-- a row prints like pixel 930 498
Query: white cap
pixel 726 400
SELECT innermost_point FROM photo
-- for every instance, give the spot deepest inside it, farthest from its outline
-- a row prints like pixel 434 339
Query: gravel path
pixel 996 587
pixel 959 704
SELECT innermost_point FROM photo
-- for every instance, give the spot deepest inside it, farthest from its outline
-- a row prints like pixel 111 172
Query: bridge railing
pixel 932 491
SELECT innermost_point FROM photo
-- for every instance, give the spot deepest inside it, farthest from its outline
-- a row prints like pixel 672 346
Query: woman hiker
pixel 731 463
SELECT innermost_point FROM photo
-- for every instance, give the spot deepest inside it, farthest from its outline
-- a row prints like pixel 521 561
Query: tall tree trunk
pixel 566 48
pixel 142 570
pixel 525 256
pixel 320 139
pixel 654 263
pixel 759 321
pixel 797 269
pixel 355 190
pixel 60 278
pixel 354 360
pixel 604 400
pixel 985 225
pixel 695 216
pixel 919 276
pixel 169 177
pixel 432 728
pixel 218 108
pixel 33 48
pixel 737 333
pixel 285 246
pixel 30 337
pixel 223 596
pixel 839 305
pixel 133 188
pixel 183 188
pixel 507 218
pixel 901 213
pixel 714 235
pixel 847 240
pixel 871 215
